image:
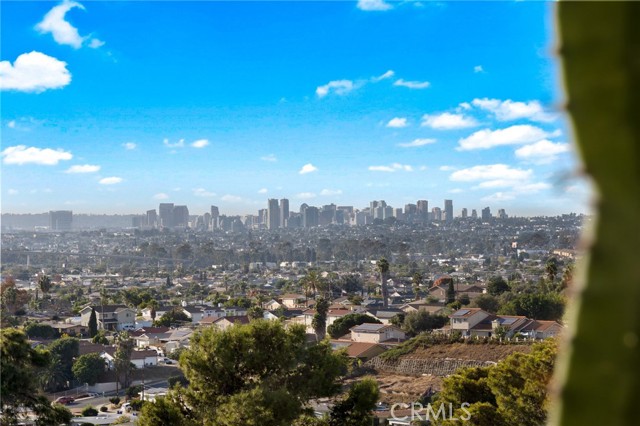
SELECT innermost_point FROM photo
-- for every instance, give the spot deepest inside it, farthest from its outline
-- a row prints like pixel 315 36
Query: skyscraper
pixel 284 212
pixel 166 215
pixel 181 216
pixel 215 214
pixel 422 207
pixel 310 217
pixel 464 213
pixel 60 220
pixel 448 210
pixel 152 218
pixel 486 213
pixel 274 213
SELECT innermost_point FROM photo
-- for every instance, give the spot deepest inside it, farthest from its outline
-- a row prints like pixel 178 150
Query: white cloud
pixel 392 168
pixel 455 191
pixel 21 154
pixel 499 196
pixel 384 76
pixel 263 191
pixel 446 168
pixel 11 124
pixel 373 5
pixel 308 168
pixel 339 87
pixel 478 69
pixel 201 192
pixel 12 191
pixel 397 122
pixel 179 144
pixel 129 146
pixel 86 168
pixel 200 143
pixel 417 142
pixel 95 43
pixel 270 157
pixel 161 196
pixel 231 198
pixel 493 172
pixel 514 135
pixel 34 72
pixel 542 152
pixel 447 120
pixel 305 195
pixel 509 110
pixel 412 84
pixel 110 180
pixel 331 192
pixel 61 30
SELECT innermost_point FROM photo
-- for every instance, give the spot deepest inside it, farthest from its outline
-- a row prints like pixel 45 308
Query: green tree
pixel 487 303
pixel 19 366
pixel 383 268
pixel 93 324
pixel 40 331
pixel 513 392
pixel 172 317
pixel 356 409
pixel 417 322
pixel 497 285
pixel 100 338
pixel 536 306
pixel 122 362
pixel 319 322
pixel 63 352
pixel 417 282
pixel 341 326
pixel 254 374
pixel 551 269
pixel 451 293
pixel 44 282
pixel 88 367
pixel 255 312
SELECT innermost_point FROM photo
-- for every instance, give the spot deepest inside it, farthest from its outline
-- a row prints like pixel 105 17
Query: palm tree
pixel 383 269
pixel 45 283
pixel 312 282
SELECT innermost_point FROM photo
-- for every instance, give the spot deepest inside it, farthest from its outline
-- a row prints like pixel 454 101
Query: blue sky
pixel 115 107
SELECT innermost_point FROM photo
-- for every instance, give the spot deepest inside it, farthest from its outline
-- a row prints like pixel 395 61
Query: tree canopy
pixel 88 367
pixel 19 367
pixel 341 326
pixel 254 374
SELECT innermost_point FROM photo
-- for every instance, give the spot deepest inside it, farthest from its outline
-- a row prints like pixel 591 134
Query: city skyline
pixel 211 103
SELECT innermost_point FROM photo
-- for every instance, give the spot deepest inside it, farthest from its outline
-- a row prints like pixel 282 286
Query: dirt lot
pixel 478 352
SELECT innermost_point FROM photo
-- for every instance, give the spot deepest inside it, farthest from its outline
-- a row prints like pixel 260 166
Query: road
pixel 96 402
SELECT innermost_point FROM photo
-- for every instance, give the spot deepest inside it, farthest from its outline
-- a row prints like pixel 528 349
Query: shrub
pixel 104 409
pixel 115 400
pixel 89 411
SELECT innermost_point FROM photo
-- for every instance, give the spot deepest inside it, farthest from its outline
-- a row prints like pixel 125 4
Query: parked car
pixel 64 400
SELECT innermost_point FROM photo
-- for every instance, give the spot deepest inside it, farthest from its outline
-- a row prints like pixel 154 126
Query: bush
pixel 104 409
pixel 89 411
pixel 178 379
pixel 133 391
pixel 136 404
pixel 115 400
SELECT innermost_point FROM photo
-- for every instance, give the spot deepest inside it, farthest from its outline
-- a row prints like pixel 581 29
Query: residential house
pixel 362 351
pixel 226 322
pixel 423 305
pixel 377 333
pixel 110 317
pixel 293 301
pixel 384 315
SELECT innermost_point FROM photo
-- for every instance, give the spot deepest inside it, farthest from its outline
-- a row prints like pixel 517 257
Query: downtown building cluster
pixel 278 215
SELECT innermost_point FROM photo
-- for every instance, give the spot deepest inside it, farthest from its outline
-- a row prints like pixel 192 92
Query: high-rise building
pixel 486 213
pixel 60 220
pixel 215 214
pixel 464 213
pixel 502 214
pixel 448 210
pixel 437 214
pixel 273 213
pixel 180 216
pixel 422 207
pixel 152 218
pixel 284 212
pixel 166 215
pixel 310 217
pixel 474 214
